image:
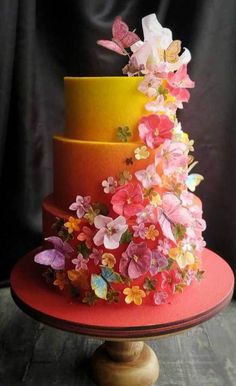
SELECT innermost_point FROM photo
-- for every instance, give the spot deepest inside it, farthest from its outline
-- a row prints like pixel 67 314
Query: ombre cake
pixel 122 224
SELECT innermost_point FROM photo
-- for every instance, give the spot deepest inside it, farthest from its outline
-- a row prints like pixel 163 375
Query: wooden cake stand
pixel 124 359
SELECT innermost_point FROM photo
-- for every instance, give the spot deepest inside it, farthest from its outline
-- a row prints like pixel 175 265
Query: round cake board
pixel 123 359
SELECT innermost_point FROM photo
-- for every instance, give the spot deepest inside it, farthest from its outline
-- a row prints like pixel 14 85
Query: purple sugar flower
pixel 158 262
pixel 81 205
pixel 136 260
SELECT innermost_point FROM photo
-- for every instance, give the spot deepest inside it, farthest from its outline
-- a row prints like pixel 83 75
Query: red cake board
pixel 196 304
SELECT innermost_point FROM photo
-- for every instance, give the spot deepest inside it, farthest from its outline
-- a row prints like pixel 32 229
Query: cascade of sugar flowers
pixel 158 217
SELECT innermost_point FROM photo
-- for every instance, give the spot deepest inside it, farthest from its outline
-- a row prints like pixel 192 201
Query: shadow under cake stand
pixel 124 359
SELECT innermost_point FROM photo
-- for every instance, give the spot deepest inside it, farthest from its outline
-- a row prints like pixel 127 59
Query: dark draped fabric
pixel 41 41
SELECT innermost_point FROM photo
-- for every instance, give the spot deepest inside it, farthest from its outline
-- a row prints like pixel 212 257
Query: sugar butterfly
pixel 99 283
pixel 55 257
pixel 121 37
pixel 171 53
pixel 194 179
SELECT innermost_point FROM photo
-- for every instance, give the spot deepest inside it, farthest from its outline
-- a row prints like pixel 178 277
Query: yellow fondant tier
pixel 96 106
pixel 81 166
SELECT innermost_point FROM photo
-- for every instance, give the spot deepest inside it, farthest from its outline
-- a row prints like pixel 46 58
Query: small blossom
pixel 172 155
pixel 127 201
pixel 149 85
pixel 108 259
pixel 81 205
pixel 80 262
pixel 155 198
pixel 72 224
pixel 134 294
pixel 110 231
pixel 158 262
pixel 96 255
pixel 164 246
pixel 141 153
pixel 124 177
pixel 86 235
pixel 135 261
pixel 160 298
pixel 61 280
pixel 148 177
pixel 154 129
pixel 183 258
pixel 140 230
pixel 91 214
pixel 109 185
pixel 169 280
pixel 151 233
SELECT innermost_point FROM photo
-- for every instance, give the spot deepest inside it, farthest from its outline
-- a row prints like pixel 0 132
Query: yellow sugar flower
pixel 124 177
pixel 72 224
pixel 134 294
pixel 151 233
pixel 108 259
pixel 155 198
pixel 183 258
pixel 141 153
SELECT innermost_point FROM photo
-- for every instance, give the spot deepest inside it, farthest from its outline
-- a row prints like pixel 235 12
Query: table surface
pixel 198 303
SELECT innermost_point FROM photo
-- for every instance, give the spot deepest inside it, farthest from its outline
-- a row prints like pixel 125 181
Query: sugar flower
pixel 108 259
pixel 72 224
pixel 164 246
pixel 110 231
pixel 140 230
pixel 134 294
pixel 136 260
pixel 148 177
pixel 127 200
pixel 61 280
pixel 154 129
pixel 148 214
pixel 169 279
pixel 124 177
pixel 151 233
pixel 149 85
pixel 183 258
pixel 55 257
pixel 81 205
pixel 80 262
pixel 109 185
pixel 86 235
pixel 180 78
pixel 160 297
pixel 157 43
pixel 172 155
pixel 96 255
pixel 158 262
pixel 141 153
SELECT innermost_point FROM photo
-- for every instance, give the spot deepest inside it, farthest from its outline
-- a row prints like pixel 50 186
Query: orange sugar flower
pixel 134 294
pixel 108 259
pixel 79 278
pixel 72 224
pixel 86 235
pixel 151 233
pixel 61 280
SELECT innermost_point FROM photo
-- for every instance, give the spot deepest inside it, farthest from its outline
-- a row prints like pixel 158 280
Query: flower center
pixel 156 132
pixel 135 257
pixel 110 231
pixel 129 201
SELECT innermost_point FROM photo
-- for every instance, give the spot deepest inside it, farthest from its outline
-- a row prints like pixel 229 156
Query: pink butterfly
pixel 121 37
pixel 172 212
pixel 54 257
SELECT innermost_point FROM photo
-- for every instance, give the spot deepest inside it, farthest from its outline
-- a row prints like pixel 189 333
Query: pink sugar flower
pixel 80 262
pixel 164 246
pixel 169 280
pixel 110 231
pixel 160 104
pixel 140 230
pixel 160 297
pixel 149 85
pixel 127 200
pixel 135 261
pixel 180 78
pixel 109 185
pixel 148 177
pixel 149 214
pixel 96 255
pixel 81 205
pixel 86 235
pixel 172 155
pixel 154 129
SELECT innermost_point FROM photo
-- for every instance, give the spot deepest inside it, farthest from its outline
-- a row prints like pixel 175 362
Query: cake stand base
pixel 124 364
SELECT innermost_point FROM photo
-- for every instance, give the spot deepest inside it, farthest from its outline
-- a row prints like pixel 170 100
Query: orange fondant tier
pixel 81 166
pixel 96 106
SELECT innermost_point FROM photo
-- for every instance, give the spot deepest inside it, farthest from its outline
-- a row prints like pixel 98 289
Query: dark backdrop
pixel 41 41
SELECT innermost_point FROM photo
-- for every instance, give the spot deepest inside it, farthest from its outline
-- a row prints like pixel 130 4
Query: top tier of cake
pixel 95 107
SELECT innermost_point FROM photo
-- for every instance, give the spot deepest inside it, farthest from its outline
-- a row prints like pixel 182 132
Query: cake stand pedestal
pixel 124 359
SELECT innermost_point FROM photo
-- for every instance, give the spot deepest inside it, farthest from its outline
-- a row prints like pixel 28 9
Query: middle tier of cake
pixel 81 166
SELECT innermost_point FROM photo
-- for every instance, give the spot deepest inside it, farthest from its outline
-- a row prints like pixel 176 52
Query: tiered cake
pixel 122 225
